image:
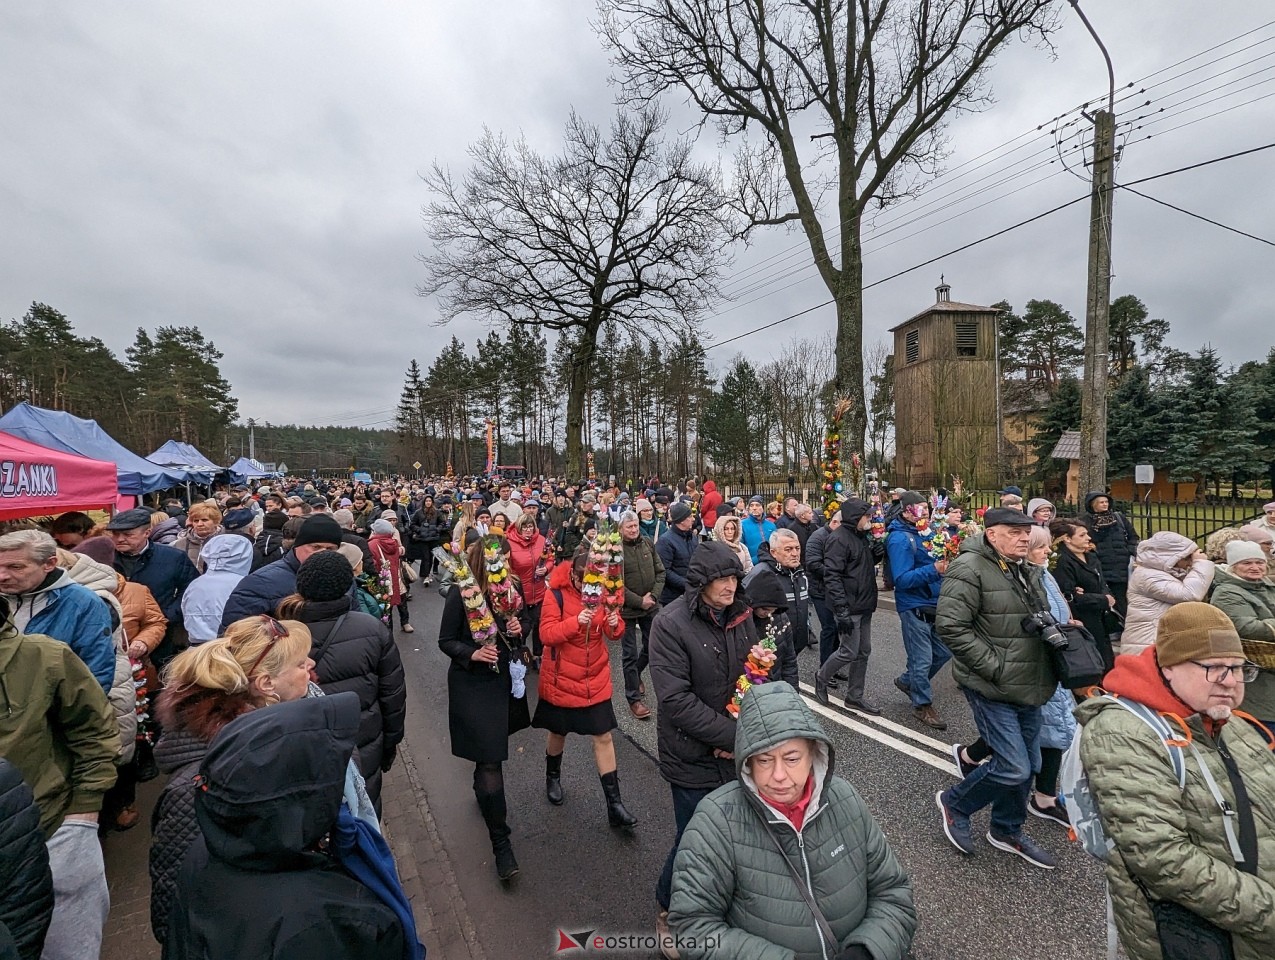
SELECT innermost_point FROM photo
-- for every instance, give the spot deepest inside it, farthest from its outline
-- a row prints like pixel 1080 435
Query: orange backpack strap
pixel 1262 728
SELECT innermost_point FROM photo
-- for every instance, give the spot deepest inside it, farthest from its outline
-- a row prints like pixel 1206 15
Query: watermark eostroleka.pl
pixel 606 941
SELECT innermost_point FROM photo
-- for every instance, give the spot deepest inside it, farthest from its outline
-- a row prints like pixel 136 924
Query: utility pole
pixel 1093 397
pixel 252 439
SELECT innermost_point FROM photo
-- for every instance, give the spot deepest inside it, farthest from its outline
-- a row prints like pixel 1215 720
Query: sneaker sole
pixel 956 756
pixel 947 832
pixel 1010 848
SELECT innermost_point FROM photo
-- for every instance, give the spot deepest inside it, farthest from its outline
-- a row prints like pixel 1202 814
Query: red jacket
pixel 709 504
pixel 575 670
pixel 524 557
pixel 386 550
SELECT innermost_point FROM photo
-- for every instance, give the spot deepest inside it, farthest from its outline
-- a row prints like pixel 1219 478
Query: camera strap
pixel 1022 586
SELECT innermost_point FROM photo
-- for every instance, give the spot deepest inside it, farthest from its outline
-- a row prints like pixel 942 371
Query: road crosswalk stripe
pixel 880 736
pixel 936 745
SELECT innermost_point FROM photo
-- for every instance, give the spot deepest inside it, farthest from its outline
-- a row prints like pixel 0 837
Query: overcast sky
pixel 253 169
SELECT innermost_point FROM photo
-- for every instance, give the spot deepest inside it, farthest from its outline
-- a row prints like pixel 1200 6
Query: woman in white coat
pixel 1169 569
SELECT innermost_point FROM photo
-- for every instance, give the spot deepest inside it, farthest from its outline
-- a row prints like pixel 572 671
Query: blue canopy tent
pixel 244 469
pixel 62 431
pixel 179 456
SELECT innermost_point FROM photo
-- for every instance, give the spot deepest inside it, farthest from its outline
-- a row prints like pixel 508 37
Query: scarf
pixel 363 853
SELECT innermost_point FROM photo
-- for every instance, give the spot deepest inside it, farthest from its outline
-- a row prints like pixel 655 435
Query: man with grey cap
pixel 261 591
pixel 165 571
pixel 986 603
pixel 1189 818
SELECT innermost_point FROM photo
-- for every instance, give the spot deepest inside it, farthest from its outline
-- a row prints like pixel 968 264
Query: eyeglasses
pixel 277 632
pixel 1219 672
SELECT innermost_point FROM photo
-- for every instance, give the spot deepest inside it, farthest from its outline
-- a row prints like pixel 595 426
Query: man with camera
pixel 989 616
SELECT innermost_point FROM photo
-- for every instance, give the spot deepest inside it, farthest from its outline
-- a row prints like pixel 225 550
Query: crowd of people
pixel 243 648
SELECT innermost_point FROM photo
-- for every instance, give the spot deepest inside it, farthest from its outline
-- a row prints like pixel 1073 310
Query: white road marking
pixel 872 733
pixel 936 745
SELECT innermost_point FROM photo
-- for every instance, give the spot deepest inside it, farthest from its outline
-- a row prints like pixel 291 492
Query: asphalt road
pixel 578 874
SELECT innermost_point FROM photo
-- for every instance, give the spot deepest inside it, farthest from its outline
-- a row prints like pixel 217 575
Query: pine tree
pixel 1060 414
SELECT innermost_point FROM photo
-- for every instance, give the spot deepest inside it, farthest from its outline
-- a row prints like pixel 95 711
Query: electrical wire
pixel 1198 216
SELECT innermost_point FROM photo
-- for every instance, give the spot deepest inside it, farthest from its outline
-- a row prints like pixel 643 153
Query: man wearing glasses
pixel 1202 847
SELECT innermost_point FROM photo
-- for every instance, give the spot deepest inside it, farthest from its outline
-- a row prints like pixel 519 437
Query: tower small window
pixel 912 346
pixel 967 338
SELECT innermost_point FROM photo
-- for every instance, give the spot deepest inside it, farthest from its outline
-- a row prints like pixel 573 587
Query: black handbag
pixel 1080 664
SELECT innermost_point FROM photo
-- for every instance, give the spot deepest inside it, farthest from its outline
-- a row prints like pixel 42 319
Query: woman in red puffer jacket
pixel 575 682
pixel 528 563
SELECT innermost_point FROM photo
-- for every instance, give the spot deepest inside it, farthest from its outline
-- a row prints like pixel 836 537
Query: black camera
pixel 1043 623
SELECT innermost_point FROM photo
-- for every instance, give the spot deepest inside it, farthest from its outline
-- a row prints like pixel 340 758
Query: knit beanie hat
pixel 351 553
pixel 102 549
pixel 1195 631
pixel 1240 550
pixel 383 527
pixel 678 512
pixel 318 529
pixel 325 575
pixel 910 499
pixel 642 504
pixel 274 520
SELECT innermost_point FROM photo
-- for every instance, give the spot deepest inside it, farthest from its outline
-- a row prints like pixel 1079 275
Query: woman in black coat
pixel 482 711
pixel 26 885
pixel 1079 575
pixel 352 651
pixel 422 535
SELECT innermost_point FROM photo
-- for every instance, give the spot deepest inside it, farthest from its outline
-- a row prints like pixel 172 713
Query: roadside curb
pixel 442 919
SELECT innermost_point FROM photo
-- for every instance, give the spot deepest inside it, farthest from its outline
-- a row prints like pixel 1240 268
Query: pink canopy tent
pixel 36 481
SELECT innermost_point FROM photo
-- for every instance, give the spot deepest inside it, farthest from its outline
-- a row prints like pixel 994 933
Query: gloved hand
pixel 387 758
pixel 845 622
pixel 856 951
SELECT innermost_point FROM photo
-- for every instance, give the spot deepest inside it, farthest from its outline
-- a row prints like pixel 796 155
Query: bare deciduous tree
pixel 620 226
pixel 828 99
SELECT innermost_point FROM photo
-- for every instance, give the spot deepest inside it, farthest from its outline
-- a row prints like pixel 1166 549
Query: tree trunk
pixel 577 392
pixel 849 303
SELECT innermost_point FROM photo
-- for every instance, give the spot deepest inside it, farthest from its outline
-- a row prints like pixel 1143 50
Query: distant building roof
pixel 944 304
pixel 1068 446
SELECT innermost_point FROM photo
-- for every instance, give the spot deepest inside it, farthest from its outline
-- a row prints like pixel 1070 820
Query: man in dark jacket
pixel 814 557
pixel 850 581
pixel 675 549
pixel 782 555
pixel 165 571
pixel 698 646
pixel 272 785
pixel 1116 543
pixel 26 885
pixel 765 593
pixel 643 584
pixel 268 546
pixel 1005 673
pixel 917 577
pixel 261 591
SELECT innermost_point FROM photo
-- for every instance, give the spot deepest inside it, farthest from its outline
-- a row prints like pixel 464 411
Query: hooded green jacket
pixel 980 618
pixel 1251 607
pixel 1172 839
pixel 731 887
pixel 56 725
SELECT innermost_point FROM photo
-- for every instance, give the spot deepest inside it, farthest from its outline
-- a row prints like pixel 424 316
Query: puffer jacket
pixel 63 609
pixel 26 885
pixel 980 617
pixel 104 581
pixel 916 578
pixel 675 549
pixel 226 559
pixel 1114 539
pixel 849 565
pixel 1251 607
pixel 719 534
pixel 731 885
pixel 643 574
pixel 710 503
pixel 575 670
pixel 816 546
pixel 1155 586
pixel 1174 840
pixel 697 654
pixel 173 824
pixel 525 557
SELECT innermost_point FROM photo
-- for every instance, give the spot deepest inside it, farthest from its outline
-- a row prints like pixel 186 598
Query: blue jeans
pixel 1012 733
pixel 828 638
pixel 685 800
pixel 926 656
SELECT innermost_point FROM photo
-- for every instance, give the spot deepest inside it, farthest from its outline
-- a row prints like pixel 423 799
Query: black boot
pixel 553 779
pixel 494 813
pixel 616 813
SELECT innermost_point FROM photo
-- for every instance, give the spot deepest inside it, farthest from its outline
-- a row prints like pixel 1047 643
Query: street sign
pixel 416 465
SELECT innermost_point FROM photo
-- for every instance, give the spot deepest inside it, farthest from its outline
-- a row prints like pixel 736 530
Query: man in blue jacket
pixel 756 528
pixel 261 591
pixel 917 578
pixel 43 599
pixel 165 571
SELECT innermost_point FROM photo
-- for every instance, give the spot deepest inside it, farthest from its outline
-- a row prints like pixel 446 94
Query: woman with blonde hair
pixel 259 661
pixel 203 522
pixel 726 530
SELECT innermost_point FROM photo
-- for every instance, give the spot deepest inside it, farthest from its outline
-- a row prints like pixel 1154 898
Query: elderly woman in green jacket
pixel 733 893
pixel 1246 595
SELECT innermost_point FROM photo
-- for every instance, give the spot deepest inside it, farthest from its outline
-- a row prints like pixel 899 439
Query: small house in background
pixel 946 394
pixel 1068 448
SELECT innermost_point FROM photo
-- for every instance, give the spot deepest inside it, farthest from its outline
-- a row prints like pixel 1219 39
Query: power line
pixel 1202 163
pixel 1198 216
